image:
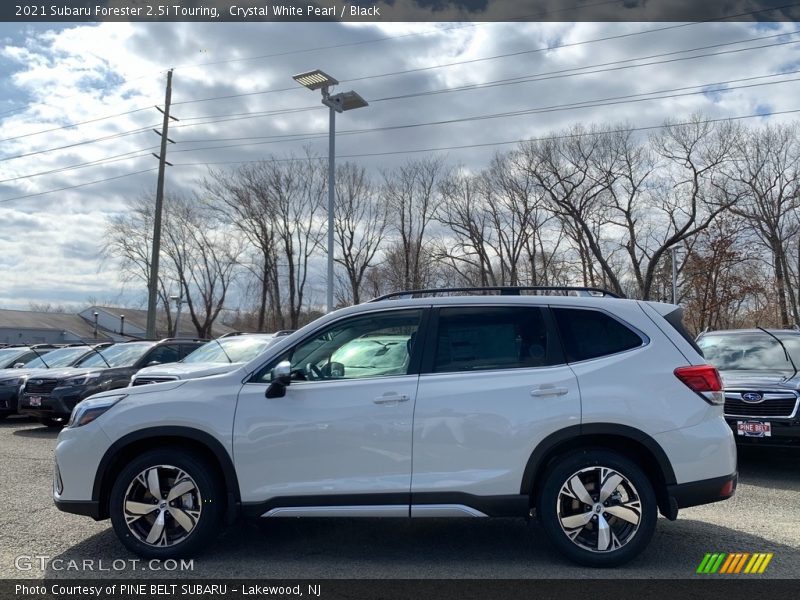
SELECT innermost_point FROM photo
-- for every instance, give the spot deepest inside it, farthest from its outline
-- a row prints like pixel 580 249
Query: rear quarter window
pixel 591 334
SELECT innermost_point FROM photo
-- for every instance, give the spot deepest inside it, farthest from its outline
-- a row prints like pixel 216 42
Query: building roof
pixel 26 319
pixel 138 319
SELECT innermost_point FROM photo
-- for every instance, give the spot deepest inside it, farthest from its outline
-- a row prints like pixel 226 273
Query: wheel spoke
pixel 181 488
pixel 153 485
pixel 609 485
pixel 139 508
pixel 579 491
pixel 574 521
pixel 629 512
pixel 185 518
pixel 157 530
pixel 603 533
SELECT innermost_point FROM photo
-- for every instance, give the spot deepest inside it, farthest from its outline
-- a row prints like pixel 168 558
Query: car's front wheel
pixel 166 504
pixel 597 507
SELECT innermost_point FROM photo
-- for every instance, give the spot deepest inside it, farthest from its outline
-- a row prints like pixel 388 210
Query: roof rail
pixel 184 339
pixel 503 290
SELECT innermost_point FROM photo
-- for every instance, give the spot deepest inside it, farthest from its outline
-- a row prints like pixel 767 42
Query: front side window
pixel 376 345
pixel 591 334
pixel 474 339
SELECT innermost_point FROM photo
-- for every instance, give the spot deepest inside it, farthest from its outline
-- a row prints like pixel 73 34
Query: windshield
pixel 750 351
pixel 373 353
pixel 118 355
pixel 239 349
pixel 8 354
pixel 57 358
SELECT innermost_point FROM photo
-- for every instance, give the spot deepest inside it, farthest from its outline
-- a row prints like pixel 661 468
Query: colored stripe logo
pixel 734 563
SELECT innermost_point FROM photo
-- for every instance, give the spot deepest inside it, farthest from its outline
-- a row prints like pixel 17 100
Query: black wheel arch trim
pixel 172 431
pixel 552 441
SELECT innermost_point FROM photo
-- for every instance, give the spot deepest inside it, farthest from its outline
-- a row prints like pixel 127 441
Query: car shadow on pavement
pixel 428 548
pixel 770 467
pixel 38 431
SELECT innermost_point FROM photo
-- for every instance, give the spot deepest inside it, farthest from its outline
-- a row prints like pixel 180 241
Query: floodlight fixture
pixel 315 80
pixel 345 101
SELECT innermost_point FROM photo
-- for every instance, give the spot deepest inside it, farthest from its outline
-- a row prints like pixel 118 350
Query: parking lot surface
pixel 38 541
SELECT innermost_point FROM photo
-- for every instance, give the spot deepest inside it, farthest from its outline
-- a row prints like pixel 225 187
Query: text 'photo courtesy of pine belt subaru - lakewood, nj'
pixel 591 412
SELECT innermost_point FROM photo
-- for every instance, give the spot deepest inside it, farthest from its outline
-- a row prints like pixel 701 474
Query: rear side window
pixel 590 334
pixel 472 339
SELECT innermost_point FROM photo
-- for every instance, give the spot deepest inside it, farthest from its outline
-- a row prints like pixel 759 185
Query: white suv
pixel 593 413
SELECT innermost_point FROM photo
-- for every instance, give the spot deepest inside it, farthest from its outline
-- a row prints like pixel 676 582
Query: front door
pixel 342 431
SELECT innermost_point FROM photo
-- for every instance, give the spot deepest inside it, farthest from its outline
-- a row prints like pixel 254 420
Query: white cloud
pixel 76 73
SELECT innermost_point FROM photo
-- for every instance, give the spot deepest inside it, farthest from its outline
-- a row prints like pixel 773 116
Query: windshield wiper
pixel 223 349
pixel 93 349
pixel 39 356
pixel 785 351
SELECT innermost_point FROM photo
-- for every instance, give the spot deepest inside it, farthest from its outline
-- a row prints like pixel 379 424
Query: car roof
pixel 750 330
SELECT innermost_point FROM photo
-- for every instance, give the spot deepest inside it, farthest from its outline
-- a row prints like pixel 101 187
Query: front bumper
pixel 85 508
pixel 8 399
pixel 784 432
pixel 58 404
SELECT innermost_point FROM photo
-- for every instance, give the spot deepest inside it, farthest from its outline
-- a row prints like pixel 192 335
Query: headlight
pixel 11 382
pixel 87 411
pixel 82 379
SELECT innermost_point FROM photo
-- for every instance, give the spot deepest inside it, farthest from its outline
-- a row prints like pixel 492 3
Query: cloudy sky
pixel 74 94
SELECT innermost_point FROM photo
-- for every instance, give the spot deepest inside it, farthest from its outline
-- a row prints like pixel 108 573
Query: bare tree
pixel 766 176
pixel 410 192
pixel 360 221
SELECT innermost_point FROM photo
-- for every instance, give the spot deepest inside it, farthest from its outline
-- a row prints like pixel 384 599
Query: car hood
pixel 759 379
pixel 188 370
pixel 61 373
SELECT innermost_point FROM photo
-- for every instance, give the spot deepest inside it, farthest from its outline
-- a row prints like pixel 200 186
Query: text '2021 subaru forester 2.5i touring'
pixel 591 412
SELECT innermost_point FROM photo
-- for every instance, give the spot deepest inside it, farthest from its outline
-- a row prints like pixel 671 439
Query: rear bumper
pixel 86 508
pixel 695 493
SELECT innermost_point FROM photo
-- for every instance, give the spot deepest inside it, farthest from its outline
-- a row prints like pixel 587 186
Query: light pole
pixel 178 303
pixel 319 80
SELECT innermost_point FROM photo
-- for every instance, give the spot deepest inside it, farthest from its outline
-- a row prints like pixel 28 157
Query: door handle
pixel 391 399
pixel 545 392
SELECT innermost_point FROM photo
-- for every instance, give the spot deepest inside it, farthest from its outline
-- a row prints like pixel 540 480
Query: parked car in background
pixel 11 380
pixel 593 413
pixel 760 377
pixel 212 358
pixel 50 395
pixel 17 356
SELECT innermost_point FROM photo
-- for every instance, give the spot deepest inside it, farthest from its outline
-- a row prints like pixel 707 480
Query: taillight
pixel 704 380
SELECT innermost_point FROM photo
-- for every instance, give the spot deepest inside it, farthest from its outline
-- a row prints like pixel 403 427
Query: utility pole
pixel 674 252
pixel 152 291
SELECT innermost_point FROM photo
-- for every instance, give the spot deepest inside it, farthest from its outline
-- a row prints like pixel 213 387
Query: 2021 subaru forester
pixel 591 412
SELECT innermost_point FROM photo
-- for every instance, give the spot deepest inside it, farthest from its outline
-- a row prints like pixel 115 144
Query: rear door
pixel 494 384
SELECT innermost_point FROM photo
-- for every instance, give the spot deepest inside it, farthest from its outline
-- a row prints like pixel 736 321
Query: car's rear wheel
pixel 167 503
pixel 597 507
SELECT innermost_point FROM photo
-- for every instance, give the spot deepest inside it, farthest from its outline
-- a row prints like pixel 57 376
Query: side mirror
pixel 281 378
pixel 152 363
pixel 18 365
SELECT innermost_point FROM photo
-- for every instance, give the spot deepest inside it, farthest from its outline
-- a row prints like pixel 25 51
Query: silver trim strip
pixel 392 510
pixel 444 510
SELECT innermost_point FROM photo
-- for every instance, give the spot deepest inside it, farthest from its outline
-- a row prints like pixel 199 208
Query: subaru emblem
pixel 752 397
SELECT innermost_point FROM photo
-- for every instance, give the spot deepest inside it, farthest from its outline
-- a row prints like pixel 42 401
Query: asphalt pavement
pixel 38 541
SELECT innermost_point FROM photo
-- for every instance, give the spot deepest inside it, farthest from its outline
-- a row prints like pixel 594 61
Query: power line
pixel 80 185
pixel 613 100
pixel 558 74
pixel 71 125
pixel 488 144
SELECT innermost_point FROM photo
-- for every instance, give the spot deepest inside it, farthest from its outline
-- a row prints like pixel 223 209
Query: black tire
pixel 4 415
pixel 207 495
pixel 52 423
pixel 621 540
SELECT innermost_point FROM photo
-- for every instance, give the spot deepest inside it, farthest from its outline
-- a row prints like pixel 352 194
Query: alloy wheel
pixel 599 509
pixel 162 506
